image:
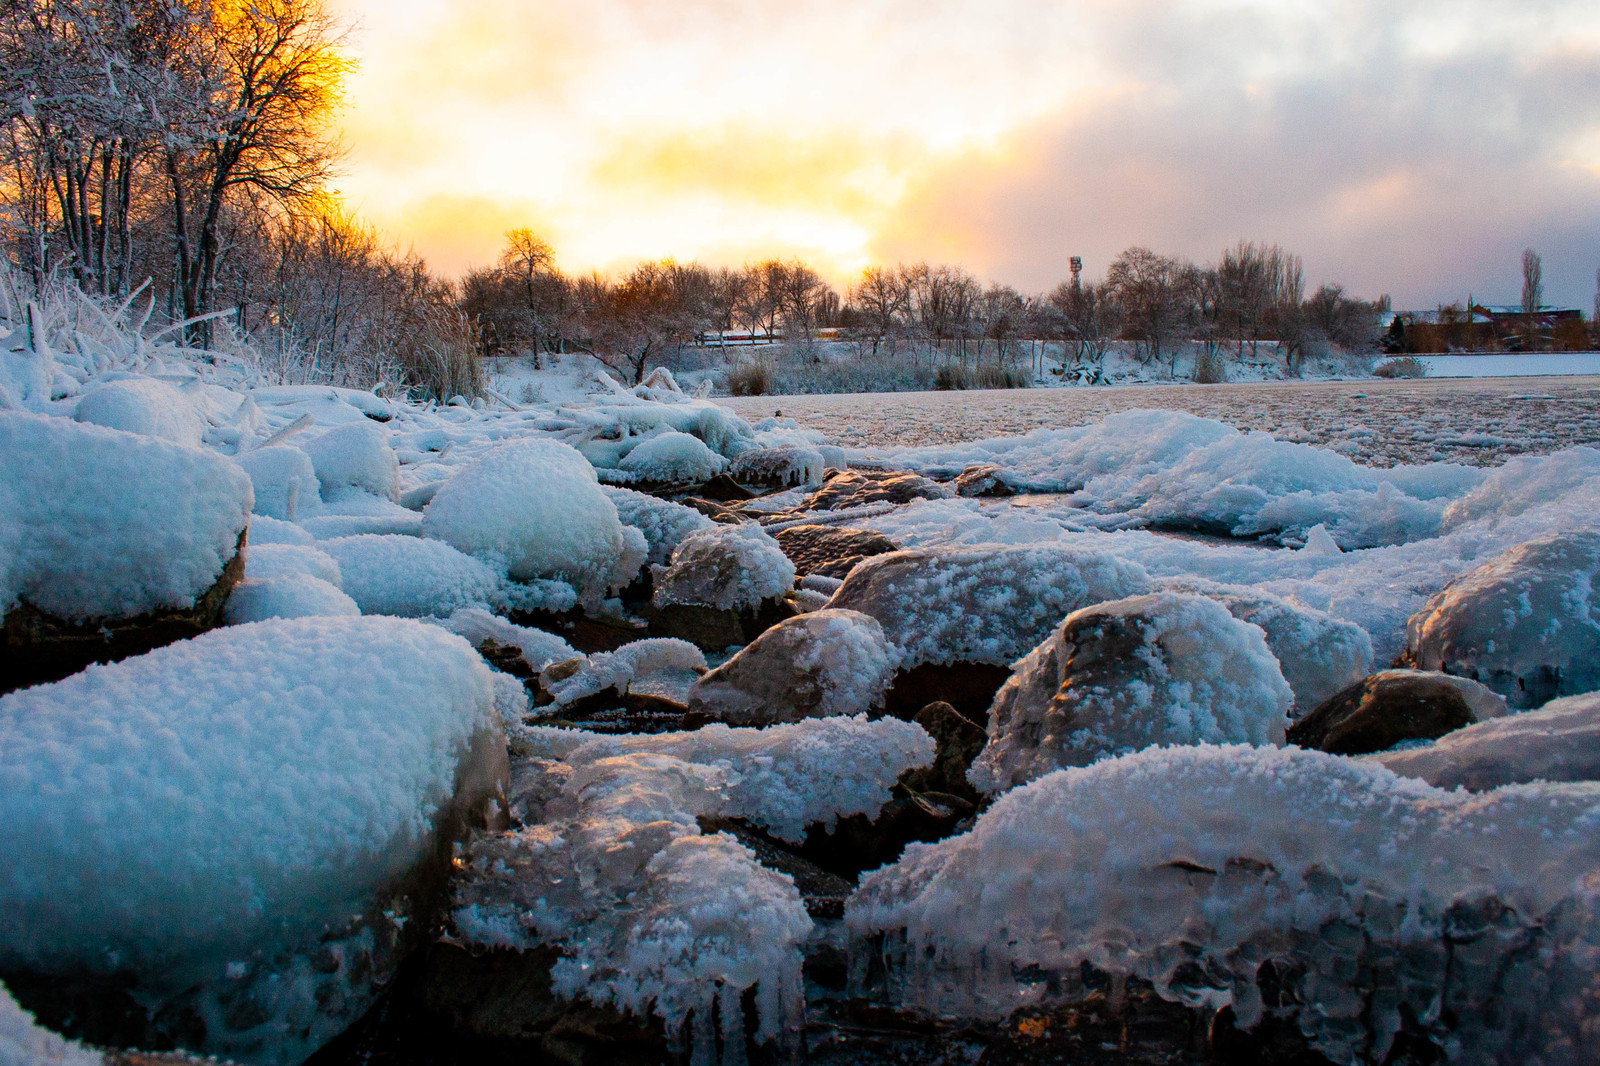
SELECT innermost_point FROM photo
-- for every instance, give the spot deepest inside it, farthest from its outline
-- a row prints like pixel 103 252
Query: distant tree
pixel 1089 317
pixel 1148 289
pixel 1532 282
pixel 879 299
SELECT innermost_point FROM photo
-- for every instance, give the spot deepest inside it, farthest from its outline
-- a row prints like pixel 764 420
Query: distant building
pixel 1499 328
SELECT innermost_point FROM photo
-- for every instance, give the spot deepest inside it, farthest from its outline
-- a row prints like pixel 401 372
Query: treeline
pixel 178 152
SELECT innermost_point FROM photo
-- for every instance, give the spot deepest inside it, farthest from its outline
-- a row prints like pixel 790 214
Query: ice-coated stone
pixel 1558 742
pixel 1392 707
pixel 728 567
pixel 785 466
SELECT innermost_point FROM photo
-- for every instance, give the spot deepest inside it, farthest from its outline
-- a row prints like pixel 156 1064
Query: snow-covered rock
pixel 616 669
pixel 985 604
pixel 1558 742
pixel 264 530
pixel 650 914
pixel 145 406
pixel 1217 873
pixel 729 567
pixel 245 821
pixel 288 596
pixel 823 663
pixel 97 523
pixel 285 482
pixel 534 509
pixel 673 458
pixel 1526 623
pixel 410 577
pixel 1118 677
pixel 786 466
pixel 538 648
pixel 663 523
pixel 282 560
pixel 1394 707
pixel 354 457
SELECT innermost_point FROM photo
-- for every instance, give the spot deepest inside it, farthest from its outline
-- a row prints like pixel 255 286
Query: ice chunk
pixel 673 458
pixel 1526 623
pixel 207 816
pixel 24 1043
pixel 1558 742
pixel 354 456
pixel 783 466
pixel 410 577
pixel 1217 873
pixel 1523 482
pixel 663 523
pixel 99 523
pixel 145 406
pixel 726 566
pixel 985 604
pixel 533 508
pixel 1117 677
pixel 615 669
pixel 281 560
pixel 823 663
pixel 285 484
pixel 289 596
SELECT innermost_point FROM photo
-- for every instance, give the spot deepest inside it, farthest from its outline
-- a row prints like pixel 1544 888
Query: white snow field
pixel 193 814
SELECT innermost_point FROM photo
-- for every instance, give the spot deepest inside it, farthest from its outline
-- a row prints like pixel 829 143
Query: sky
pixel 1409 148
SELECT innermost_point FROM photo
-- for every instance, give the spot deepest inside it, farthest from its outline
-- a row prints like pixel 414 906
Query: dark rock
pixel 714 629
pixel 981 480
pixel 508 659
pixel 713 510
pixel 852 488
pixel 584 633
pixel 957 740
pixel 723 489
pixel 830 551
pixel 860 843
pixel 969 688
pixel 36 647
pixel 1390 707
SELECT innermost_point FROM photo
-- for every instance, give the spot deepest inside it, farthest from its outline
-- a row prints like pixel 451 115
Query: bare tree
pixel 1532 283
pixel 1149 290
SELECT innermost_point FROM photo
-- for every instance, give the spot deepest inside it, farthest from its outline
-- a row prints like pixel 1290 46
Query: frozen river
pixel 1378 422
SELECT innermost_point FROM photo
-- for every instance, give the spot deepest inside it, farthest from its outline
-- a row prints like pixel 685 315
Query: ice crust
pixel 98 523
pixel 663 523
pixel 1154 670
pixel 986 604
pixel 649 913
pixel 23 1042
pixel 289 596
pixel 1373 896
pixel 533 509
pixel 1558 742
pixel 410 577
pixel 224 795
pixel 727 567
pixel 825 662
pixel 673 458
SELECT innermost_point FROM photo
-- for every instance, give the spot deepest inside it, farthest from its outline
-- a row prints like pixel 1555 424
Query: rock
pixel 830 551
pixel 1161 669
pixel 723 489
pixel 36 647
pixel 967 686
pixel 586 633
pixel 860 843
pixel 981 480
pixel 853 488
pixel 284 481
pixel 1394 706
pixel 785 466
pixel 1558 742
pixel 959 740
pixel 983 604
pixel 810 666
pixel 730 567
pixel 354 457
pixel 1524 623
pixel 717 512
pixel 145 406
pixel 714 629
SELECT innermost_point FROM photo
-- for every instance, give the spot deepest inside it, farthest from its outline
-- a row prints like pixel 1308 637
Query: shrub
pixel 1407 366
pixel 750 379
pixel 1210 368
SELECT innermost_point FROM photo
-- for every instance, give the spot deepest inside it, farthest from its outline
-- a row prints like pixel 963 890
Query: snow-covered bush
pixel 985 604
pixel 726 566
pixel 207 815
pixel 1118 677
pixel 534 509
pixel 96 523
pixel 1213 872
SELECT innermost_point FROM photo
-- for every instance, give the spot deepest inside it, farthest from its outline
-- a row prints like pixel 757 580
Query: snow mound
pixel 663 523
pixel 286 485
pixel 1522 483
pixel 985 604
pixel 823 663
pixel 726 566
pixel 289 596
pixel 1320 655
pixel 233 797
pixel 265 530
pixel 534 509
pixel 98 523
pixel 283 560
pixel 616 669
pixel 145 406
pixel 1118 677
pixel 1218 872
pixel 673 458
pixel 538 647
pixel 25 1043
pixel 410 577
pixel 355 456
pixel 650 914
pixel 1558 742
pixel 1526 623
